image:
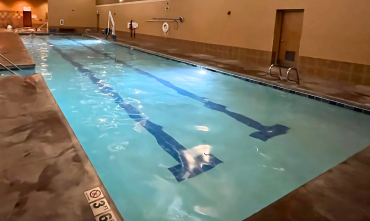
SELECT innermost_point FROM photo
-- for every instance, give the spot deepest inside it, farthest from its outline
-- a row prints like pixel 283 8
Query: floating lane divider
pixel 264 132
pixel 189 166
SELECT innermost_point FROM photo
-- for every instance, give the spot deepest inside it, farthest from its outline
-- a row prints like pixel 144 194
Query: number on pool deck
pixel 100 207
pixel 105 217
pixel 109 216
pixel 96 205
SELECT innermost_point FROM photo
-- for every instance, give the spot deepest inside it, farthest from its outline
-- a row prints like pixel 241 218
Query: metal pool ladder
pixel 287 73
pixel 6 68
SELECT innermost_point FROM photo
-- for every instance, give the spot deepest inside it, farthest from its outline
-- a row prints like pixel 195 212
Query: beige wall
pixel 38 8
pixel 337 30
pixel 76 13
pixel 251 24
pixel 102 2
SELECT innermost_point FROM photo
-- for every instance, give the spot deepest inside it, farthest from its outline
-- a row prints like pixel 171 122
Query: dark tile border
pixel 324 99
pixel 336 70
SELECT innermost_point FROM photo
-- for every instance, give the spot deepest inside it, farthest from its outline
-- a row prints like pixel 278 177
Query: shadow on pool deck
pixel 44 171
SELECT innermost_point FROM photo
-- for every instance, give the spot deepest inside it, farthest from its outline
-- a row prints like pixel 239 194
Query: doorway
pixel 287 37
pixel 27 19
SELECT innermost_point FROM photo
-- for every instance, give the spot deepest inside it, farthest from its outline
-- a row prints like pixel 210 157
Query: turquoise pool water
pixel 176 142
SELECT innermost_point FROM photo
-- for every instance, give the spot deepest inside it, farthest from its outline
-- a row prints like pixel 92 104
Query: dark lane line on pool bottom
pixel 265 132
pixel 189 166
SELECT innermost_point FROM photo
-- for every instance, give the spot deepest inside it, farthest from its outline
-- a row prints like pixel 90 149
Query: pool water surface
pixel 175 142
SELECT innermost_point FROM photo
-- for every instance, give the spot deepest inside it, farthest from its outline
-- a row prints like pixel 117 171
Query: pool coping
pixel 43 161
pixel 351 105
pixel 81 151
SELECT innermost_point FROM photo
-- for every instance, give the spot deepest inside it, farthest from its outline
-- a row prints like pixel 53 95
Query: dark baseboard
pixel 71 29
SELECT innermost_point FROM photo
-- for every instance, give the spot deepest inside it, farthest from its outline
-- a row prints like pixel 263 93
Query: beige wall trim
pixel 130 3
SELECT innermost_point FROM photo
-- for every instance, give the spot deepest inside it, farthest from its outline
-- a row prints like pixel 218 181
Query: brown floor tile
pixel 345 66
pixel 333 65
pixel 366 80
pixel 367 70
pixel 44 171
pixel 344 76
pixel 303 60
pixel 321 63
pixel 356 78
pixel 358 69
pixel 311 61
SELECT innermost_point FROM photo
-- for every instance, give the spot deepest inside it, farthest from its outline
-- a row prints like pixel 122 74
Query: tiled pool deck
pixel 12 47
pixel 44 171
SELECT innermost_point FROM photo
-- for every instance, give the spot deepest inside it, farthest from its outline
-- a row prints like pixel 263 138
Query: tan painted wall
pixel 337 30
pixel 76 13
pixel 38 8
pixel 102 2
pixel 251 24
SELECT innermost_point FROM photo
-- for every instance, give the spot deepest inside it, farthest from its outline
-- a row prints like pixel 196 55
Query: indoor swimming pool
pixel 172 141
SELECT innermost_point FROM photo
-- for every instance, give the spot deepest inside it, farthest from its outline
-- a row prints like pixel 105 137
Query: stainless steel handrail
pixel 8 69
pixel 10 62
pixel 47 27
pixel 275 65
pixel 287 75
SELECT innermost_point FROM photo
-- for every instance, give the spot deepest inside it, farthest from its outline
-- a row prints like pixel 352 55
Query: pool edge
pixel 82 154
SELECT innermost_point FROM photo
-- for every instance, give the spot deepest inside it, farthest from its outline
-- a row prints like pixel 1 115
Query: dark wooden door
pixel 27 19
pixel 290 39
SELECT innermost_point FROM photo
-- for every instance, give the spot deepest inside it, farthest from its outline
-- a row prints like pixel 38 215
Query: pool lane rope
pixel 166 29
